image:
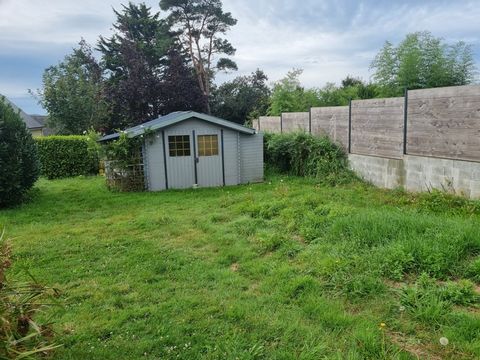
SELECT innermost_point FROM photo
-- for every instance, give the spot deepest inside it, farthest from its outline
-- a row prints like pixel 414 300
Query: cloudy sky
pixel 329 39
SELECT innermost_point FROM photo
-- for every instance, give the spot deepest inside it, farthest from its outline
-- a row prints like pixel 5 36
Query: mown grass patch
pixel 285 269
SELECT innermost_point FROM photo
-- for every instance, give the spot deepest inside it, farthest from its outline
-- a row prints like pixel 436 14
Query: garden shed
pixel 187 149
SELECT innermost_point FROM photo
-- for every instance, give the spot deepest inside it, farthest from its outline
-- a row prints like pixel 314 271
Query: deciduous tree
pixel 422 61
pixel 73 93
pixel 242 99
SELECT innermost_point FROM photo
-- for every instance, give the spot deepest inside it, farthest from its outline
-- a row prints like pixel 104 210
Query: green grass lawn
pixel 287 269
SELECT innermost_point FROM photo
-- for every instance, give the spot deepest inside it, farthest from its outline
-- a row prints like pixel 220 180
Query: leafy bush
pixel 20 335
pixel 123 167
pixel 18 157
pixel 67 156
pixel 302 154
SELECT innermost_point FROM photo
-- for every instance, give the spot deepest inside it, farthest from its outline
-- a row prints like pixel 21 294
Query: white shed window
pixel 179 145
pixel 207 145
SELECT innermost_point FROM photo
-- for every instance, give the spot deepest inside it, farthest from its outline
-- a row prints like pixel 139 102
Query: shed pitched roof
pixel 27 119
pixel 176 117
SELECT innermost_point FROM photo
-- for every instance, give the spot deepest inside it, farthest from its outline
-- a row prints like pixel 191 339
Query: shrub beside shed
pixel 188 149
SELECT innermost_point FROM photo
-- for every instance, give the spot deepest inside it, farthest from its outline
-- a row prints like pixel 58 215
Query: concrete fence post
pixel 350 126
pixel 405 122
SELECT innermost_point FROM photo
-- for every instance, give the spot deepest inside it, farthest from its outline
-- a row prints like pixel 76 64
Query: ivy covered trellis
pixel 124 167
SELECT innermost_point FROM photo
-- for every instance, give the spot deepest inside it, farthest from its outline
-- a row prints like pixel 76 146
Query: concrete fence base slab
pixel 419 173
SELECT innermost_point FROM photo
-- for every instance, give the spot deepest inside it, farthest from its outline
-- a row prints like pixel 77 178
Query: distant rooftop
pixel 31 121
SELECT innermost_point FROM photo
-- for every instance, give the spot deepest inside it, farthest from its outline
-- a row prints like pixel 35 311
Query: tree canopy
pixel 201 25
pixel 243 98
pixel 73 93
pixel 422 61
pixel 134 58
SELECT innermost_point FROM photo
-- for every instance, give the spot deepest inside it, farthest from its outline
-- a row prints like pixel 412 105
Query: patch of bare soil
pixel 235 267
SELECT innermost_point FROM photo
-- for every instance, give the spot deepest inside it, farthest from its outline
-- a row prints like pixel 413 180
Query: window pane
pixel 207 145
pixel 179 145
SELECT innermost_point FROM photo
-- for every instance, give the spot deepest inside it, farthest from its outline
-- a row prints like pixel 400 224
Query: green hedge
pixel 19 165
pixel 67 156
pixel 302 154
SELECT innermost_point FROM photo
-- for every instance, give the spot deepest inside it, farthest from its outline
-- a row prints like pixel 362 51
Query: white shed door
pixel 209 158
pixel 180 157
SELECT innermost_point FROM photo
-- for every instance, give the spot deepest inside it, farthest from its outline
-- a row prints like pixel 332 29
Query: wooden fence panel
pixel 296 121
pixel 331 121
pixel 444 122
pixel 256 124
pixel 377 127
pixel 270 124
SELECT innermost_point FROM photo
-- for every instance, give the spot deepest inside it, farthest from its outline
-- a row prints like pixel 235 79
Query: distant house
pixel 35 123
pixel 186 149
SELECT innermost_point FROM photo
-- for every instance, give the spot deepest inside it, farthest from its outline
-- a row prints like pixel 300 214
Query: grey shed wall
pixel 251 158
pixel 243 154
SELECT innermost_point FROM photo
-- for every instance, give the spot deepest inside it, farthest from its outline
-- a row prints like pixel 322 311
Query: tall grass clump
pixel 303 154
pixel 21 335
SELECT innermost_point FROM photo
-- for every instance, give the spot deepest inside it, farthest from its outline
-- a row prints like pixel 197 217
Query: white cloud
pixel 328 39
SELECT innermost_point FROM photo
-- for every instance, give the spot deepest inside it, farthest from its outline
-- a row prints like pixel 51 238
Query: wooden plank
pixel 270 124
pixel 331 121
pixel 298 121
pixel 445 122
pixel 377 127
pixel 446 92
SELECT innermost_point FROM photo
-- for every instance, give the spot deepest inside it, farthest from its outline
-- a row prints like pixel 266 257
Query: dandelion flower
pixel 443 341
pixel 383 326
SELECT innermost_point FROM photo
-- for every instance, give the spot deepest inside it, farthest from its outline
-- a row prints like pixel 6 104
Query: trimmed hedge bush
pixel 19 167
pixel 67 156
pixel 302 154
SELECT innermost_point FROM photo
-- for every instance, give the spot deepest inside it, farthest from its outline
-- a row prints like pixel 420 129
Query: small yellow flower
pixel 383 326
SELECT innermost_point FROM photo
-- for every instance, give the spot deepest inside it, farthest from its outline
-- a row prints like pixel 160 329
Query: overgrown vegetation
pixel 21 336
pixel 303 154
pixel 124 164
pixel 422 61
pixel 286 269
pixel 67 156
pixel 19 167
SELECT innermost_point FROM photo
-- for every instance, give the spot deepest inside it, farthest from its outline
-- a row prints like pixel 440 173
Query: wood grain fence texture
pixel 331 121
pixel 269 124
pixel 377 127
pixel 295 121
pixel 441 122
pixel 444 122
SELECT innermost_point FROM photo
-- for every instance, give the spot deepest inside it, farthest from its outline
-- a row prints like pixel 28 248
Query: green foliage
pixel 19 167
pixel 67 156
pixel 422 61
pixel 430 302
pixel 123 157
pixel 136 58
pixel 201 25
pixel 125 150
pixel 242 99
pixel 73 93
pixel 351 89
pixel 445 202
pixel 302 154
pixel 21 336
pixel 289 96
pixel 289 268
